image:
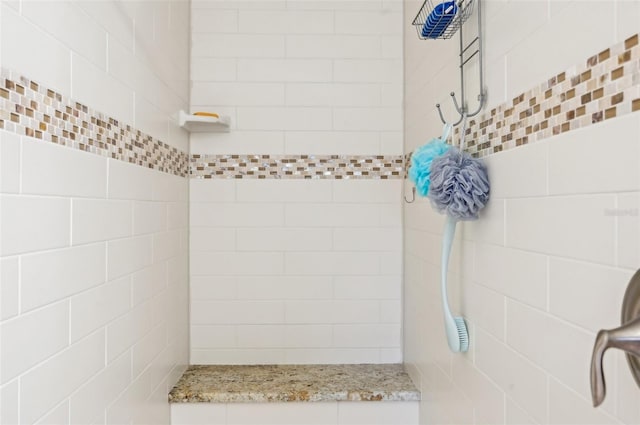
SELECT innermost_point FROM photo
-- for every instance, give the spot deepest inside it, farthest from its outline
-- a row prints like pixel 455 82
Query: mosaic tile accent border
pixel 29 109
pixel 606 86
pixel 297 167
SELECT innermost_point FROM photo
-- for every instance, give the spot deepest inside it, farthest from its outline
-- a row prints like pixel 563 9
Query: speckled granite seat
pixel 285 383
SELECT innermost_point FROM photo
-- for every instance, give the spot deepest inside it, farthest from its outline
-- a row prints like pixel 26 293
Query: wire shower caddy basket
pixel 441 19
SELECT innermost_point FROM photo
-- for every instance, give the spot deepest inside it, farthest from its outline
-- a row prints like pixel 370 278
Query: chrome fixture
pixel 626 338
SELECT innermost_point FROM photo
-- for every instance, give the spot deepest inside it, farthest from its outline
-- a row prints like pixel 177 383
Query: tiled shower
pixel 131 248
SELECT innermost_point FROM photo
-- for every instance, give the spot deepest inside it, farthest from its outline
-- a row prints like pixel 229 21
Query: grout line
pixel 58 353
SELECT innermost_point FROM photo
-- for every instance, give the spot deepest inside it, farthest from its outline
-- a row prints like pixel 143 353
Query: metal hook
pixel 455 103
pixel 413 191
pixel 461 107
pixel 481 100
pixel 442 116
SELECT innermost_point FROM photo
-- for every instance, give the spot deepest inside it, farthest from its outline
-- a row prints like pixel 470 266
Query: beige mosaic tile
pixel 27 108
pixel 606 86
pixel 297 166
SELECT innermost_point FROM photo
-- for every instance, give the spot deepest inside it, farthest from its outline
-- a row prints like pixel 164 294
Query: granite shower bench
pixel 295 394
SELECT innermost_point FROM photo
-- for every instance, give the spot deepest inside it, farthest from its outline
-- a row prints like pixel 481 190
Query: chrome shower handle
pixel 626 338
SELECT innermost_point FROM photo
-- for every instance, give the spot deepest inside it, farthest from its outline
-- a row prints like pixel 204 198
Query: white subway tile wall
pixel 94 263
pixel 285 68
pixel 137 76
pixel 300 271
pixel 320 413
pixel 546 265
pixel 91 311
pixel 287 267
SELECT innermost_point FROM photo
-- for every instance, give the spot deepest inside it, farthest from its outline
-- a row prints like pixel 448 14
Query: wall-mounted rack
pixel 467 52
pixel 442 21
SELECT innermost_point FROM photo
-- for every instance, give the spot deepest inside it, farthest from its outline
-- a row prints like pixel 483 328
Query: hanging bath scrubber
pixel 460 189
pixel 455 327
pixel 459 185
pixel 422 157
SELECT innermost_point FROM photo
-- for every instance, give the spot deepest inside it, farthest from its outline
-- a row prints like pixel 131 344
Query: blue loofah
pixel 420 169
pixel 459 185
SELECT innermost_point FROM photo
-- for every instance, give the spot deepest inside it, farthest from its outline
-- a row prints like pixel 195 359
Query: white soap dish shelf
pixel 204 124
